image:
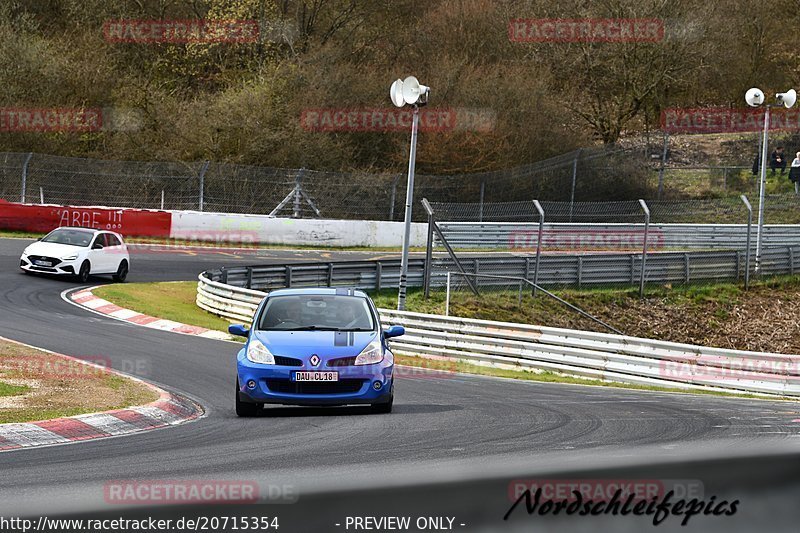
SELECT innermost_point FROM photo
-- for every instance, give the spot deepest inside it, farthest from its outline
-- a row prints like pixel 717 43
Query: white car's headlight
pixel 25 251
pixel 258 353
pixel 370 355
pixel 70 257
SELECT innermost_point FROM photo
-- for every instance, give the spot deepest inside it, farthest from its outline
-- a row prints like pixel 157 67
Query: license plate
pixel 42 263
pixel 316 376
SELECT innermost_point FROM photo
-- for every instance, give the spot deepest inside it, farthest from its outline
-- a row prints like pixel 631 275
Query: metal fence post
pixel 201 178
pixel 480 212
pixel 574 183
pixel 162 199
pixel 644 245
pixel 428 248
pixel 394 197
pixel 749 231
pixel 538 207
pixel 25 176
pixel 663 164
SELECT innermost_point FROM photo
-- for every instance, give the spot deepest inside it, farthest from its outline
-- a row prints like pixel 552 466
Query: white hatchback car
pixel 78 252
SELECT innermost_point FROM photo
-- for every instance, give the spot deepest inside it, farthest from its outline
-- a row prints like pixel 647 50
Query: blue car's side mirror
pixel 239 330
pixel 394 331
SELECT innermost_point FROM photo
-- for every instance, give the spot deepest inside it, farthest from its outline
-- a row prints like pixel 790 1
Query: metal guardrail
pixel 592 355
pixel 373 275
pixel 565 236
pixel 579 270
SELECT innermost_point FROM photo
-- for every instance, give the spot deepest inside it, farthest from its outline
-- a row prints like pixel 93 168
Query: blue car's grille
pixel 345 386
pixel 342 361
pixel 287 361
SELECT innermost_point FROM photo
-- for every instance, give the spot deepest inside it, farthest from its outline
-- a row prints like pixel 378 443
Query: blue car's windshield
pixel 73 237
pixel 316 312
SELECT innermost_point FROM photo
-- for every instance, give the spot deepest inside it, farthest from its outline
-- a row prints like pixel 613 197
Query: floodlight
pixel 396 92
pixel 788 98
pixel 754 97
pixel 413 91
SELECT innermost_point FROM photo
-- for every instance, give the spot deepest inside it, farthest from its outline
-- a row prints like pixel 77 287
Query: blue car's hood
pixel 323 343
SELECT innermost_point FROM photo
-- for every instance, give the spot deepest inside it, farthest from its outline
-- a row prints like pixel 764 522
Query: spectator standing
pixel 777 160
pixel 794 172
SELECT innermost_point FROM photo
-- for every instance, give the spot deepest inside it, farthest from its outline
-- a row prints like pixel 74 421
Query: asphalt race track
pixel 441 421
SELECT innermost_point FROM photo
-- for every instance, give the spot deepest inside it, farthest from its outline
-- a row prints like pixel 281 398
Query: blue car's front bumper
pixel 364 384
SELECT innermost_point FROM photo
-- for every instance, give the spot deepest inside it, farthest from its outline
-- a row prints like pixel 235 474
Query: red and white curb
pixel 169 410
pixel 84 298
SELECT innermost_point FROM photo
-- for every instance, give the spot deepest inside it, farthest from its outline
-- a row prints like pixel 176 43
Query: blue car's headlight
pixel 258 353
pixel 372 354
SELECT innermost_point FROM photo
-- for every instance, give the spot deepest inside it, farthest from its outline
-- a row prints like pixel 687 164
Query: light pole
pixel 408 91
pixel 754 98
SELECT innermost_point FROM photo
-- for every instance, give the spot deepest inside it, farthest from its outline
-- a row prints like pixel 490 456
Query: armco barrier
pixel 593 355
pixel 563 236
pixel 574 270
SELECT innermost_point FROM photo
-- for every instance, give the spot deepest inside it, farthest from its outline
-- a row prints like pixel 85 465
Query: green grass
pixel 7 389
pixel 170 300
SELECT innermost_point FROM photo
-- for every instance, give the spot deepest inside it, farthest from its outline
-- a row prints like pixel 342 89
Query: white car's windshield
pixel 317 312
pixel 73 237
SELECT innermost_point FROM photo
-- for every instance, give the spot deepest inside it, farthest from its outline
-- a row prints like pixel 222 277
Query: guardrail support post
pixel 330 274
pixel 378 274
pixel 224 272
pixel 644 246
pixel 791 260
pixel 539 209
pixel 249 278
pixel 288 277
pixel 25 175
pixel 447 296
pixel 428 248
pixel 686 266
pixel 749 232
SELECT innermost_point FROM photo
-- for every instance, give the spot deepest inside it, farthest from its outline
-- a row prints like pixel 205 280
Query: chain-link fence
pixel 223 187
pixel 633 243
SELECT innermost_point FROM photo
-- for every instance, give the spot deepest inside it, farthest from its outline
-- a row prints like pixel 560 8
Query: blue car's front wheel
pixel 245 409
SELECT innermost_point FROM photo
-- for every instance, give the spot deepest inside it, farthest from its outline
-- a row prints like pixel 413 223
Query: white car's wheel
pixel 122 272
pixel 83 273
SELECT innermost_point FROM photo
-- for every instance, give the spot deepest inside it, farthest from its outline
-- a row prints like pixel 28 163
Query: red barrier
pixel 44 218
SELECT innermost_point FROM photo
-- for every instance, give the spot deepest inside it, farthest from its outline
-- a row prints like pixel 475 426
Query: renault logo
pixel 314 360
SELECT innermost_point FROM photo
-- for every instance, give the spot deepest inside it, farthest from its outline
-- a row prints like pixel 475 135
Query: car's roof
pixel 88 230
pixel 78 228
pixel 320 291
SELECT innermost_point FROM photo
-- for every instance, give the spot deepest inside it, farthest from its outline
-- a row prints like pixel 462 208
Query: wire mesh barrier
pixel 299 193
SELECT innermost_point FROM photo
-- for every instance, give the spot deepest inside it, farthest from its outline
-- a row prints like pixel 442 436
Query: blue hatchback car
pixel 320 346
